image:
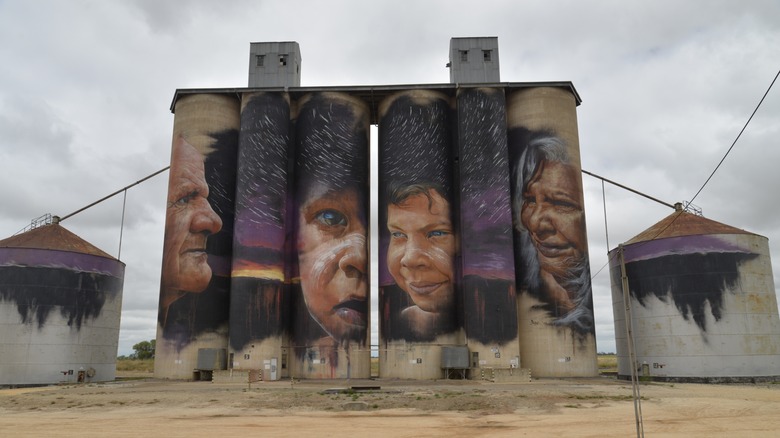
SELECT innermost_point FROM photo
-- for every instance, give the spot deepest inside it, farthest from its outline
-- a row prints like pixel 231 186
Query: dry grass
pixel 135 365
pixel 607 363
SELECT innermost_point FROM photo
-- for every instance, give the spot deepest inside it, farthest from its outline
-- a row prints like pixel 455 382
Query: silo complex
pixel 268 218
pixel 702 303
pixel 60 305
pixel 483 258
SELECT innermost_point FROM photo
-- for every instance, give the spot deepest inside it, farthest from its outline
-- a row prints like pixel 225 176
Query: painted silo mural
pixel 481 233
pixel 418 242
pixel 555 305
pixel 702 302
pixel 259 292
pixel 330 295
pixel 197 250
pixel 60 305
pixel 488 265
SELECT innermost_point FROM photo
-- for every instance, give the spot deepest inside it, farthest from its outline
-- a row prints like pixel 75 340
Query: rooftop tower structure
pixel 474 60
pixel 274 64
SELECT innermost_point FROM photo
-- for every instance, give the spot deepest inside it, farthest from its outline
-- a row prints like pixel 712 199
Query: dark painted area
pixel 691 281
pixel 393 326
pixel 259 305
pixel 197 313
pixel 37 292
pixel 220 166
pixel 262 175
pixel 258 310
pixel 490 309
pixel 487 258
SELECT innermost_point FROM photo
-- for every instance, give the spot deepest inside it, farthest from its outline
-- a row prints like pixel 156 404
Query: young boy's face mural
pixel 332 260
pixel 421 250
pixel 332 180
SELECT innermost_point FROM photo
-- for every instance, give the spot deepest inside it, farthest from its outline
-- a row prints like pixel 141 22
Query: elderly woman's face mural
pixel 551 226
pixel 554 217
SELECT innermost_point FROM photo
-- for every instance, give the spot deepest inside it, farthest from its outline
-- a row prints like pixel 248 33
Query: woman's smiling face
pixel 421 250
pixel 333 263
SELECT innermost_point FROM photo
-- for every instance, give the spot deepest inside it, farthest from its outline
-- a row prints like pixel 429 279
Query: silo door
pixel 273 368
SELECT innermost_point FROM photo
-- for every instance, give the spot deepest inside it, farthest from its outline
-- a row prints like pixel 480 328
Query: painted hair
pixel 331 150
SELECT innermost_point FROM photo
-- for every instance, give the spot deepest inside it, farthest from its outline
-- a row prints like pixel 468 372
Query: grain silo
pixel 60 305
pixel 702 303
pixel 554 303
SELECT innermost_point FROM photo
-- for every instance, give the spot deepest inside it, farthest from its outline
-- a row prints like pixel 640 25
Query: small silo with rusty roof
pixel 60 305
pixel 702 303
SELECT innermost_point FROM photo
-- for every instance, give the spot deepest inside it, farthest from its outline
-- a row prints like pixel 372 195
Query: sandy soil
pixel 599 407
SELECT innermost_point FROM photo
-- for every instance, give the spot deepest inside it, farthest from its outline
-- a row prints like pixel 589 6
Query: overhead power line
pixel 736 139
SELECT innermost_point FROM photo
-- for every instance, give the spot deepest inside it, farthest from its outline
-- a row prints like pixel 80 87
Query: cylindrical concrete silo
pixel 330 296
pixel 555 306
pixel 418 308
pixel 60 305
pixel 198 245
pixel 702 303
pixel 486 252
pixel 260 281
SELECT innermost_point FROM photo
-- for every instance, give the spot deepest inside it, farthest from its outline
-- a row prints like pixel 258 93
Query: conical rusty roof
pixel 682 223
pixel 54 237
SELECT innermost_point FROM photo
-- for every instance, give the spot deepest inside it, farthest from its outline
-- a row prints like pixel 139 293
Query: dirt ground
pixel 598 407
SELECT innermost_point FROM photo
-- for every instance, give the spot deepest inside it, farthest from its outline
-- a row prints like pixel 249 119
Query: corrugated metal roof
pixel 682 223
pixel 54 237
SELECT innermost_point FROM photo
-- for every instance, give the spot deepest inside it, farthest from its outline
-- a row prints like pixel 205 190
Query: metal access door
pixel 273 369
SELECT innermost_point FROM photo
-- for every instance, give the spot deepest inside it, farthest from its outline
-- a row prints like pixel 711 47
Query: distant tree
pixel 144 350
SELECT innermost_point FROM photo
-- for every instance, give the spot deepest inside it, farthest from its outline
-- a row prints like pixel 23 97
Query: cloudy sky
pixel 85 90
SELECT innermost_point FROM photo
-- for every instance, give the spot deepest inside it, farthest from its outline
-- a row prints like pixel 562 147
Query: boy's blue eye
pixel 397 235
pixel 331 218
pixel 437 233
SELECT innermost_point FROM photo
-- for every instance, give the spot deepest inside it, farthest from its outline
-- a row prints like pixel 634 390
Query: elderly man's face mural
pixel 421 250
pixel 188 223
pixel 553 215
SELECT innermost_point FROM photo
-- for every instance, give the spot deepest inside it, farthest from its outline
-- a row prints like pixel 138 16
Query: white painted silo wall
pixel 743 342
